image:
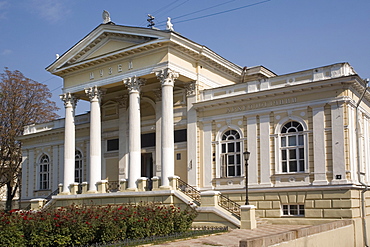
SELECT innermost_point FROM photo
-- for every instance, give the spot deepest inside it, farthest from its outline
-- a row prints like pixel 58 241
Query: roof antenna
pixel 151 21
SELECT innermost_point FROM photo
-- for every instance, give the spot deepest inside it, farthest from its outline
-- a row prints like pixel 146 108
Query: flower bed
pixel 82 225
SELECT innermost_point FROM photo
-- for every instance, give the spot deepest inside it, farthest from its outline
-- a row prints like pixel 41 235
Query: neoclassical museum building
pixel 171 120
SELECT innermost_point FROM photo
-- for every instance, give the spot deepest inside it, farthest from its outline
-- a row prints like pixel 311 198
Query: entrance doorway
pixel 147 168
pixel 147 165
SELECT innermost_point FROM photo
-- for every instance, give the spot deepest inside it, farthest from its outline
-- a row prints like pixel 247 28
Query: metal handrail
pixel 113 186
pixel 54 193
pixel 188 190
pixel 229 205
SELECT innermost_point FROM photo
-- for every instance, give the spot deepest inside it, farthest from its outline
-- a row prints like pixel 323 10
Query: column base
pixel 131 189
pixel 91 192
pixel 165 187
pixel 64 193
pixel 320 182
pixel 248 217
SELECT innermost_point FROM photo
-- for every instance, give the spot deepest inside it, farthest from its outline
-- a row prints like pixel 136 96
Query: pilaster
pixel 191 92
pixel 319 156
pixel 338 142
pixel 158 135
pixel 123 153
pixel 265 150
pixel 252 148
pixel 207 155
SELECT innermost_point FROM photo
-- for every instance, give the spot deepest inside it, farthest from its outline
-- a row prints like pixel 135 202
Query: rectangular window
pixel 148 140
pixel 178 156
pixel 293 210
pixel 180 135
pixel 113 145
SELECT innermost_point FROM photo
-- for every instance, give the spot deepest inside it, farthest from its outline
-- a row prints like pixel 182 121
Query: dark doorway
pixel 147 168
pixel 147 165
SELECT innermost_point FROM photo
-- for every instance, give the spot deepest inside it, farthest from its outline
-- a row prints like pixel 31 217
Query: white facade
pixel 163 106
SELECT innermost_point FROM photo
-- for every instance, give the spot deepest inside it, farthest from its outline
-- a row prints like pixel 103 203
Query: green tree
pixel 22 102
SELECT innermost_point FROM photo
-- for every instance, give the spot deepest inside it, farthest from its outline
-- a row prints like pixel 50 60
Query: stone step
pixel 262 222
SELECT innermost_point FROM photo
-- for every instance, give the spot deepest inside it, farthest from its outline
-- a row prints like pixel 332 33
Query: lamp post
pixel 246 154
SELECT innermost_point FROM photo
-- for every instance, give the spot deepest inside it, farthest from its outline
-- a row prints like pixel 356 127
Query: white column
pixel 167 78
pixel 265 152
pixel 69 140
pixel 134 171
pixel 95 95
pixel 191 134
pixel 319 157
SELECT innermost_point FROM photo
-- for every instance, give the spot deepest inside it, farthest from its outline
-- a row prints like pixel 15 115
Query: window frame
pixel 292 147
pixel 44 172
pixel 231 146
pixel 78 169
pixel 289 209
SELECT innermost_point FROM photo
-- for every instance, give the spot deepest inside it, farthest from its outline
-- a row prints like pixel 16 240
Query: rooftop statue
pixel 106 17
pixel 169 25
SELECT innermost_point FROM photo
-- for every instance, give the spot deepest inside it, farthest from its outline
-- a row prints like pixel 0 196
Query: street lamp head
pixel 246 154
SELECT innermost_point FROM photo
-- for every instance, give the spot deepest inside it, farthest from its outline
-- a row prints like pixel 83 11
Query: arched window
pixel 231 154
pixel 292 145
pixel 44 175
pixel 78 167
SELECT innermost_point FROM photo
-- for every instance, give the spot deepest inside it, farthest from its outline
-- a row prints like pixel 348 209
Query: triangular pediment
pixel 106 40
pixel 108 43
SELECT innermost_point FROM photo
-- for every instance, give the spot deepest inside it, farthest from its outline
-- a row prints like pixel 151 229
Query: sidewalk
pixel 232 238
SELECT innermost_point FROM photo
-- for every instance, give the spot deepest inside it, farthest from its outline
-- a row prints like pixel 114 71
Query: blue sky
pixel 282 35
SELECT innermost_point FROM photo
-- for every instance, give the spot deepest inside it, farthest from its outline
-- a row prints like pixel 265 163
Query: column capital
pixel 167 76
pixel 69 99
pixel 191 88
pixel 134 84
pixel 94 93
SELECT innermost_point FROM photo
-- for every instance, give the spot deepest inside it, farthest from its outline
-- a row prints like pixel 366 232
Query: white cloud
pixel 3 9
pixel 6 52
pixel 52 11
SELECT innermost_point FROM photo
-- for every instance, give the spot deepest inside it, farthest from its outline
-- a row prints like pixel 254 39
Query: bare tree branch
pixel 22 102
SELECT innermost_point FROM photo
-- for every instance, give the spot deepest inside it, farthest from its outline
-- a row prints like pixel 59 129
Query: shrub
pixel 82 225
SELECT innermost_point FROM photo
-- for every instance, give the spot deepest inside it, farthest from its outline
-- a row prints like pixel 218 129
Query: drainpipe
pixel 366 187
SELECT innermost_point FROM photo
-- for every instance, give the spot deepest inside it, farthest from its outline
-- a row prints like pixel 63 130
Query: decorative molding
pixel 158 94
pixel 134 84
pixel 167 76
pixel 191 89
pixel 122 101
pixel 69 99
pixel 94 93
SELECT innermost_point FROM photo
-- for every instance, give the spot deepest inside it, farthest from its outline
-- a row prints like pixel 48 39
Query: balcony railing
pixel 113 186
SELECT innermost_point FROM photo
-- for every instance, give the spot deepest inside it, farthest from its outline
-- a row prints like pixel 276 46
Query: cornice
pixel 272 92
pixel 126 52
